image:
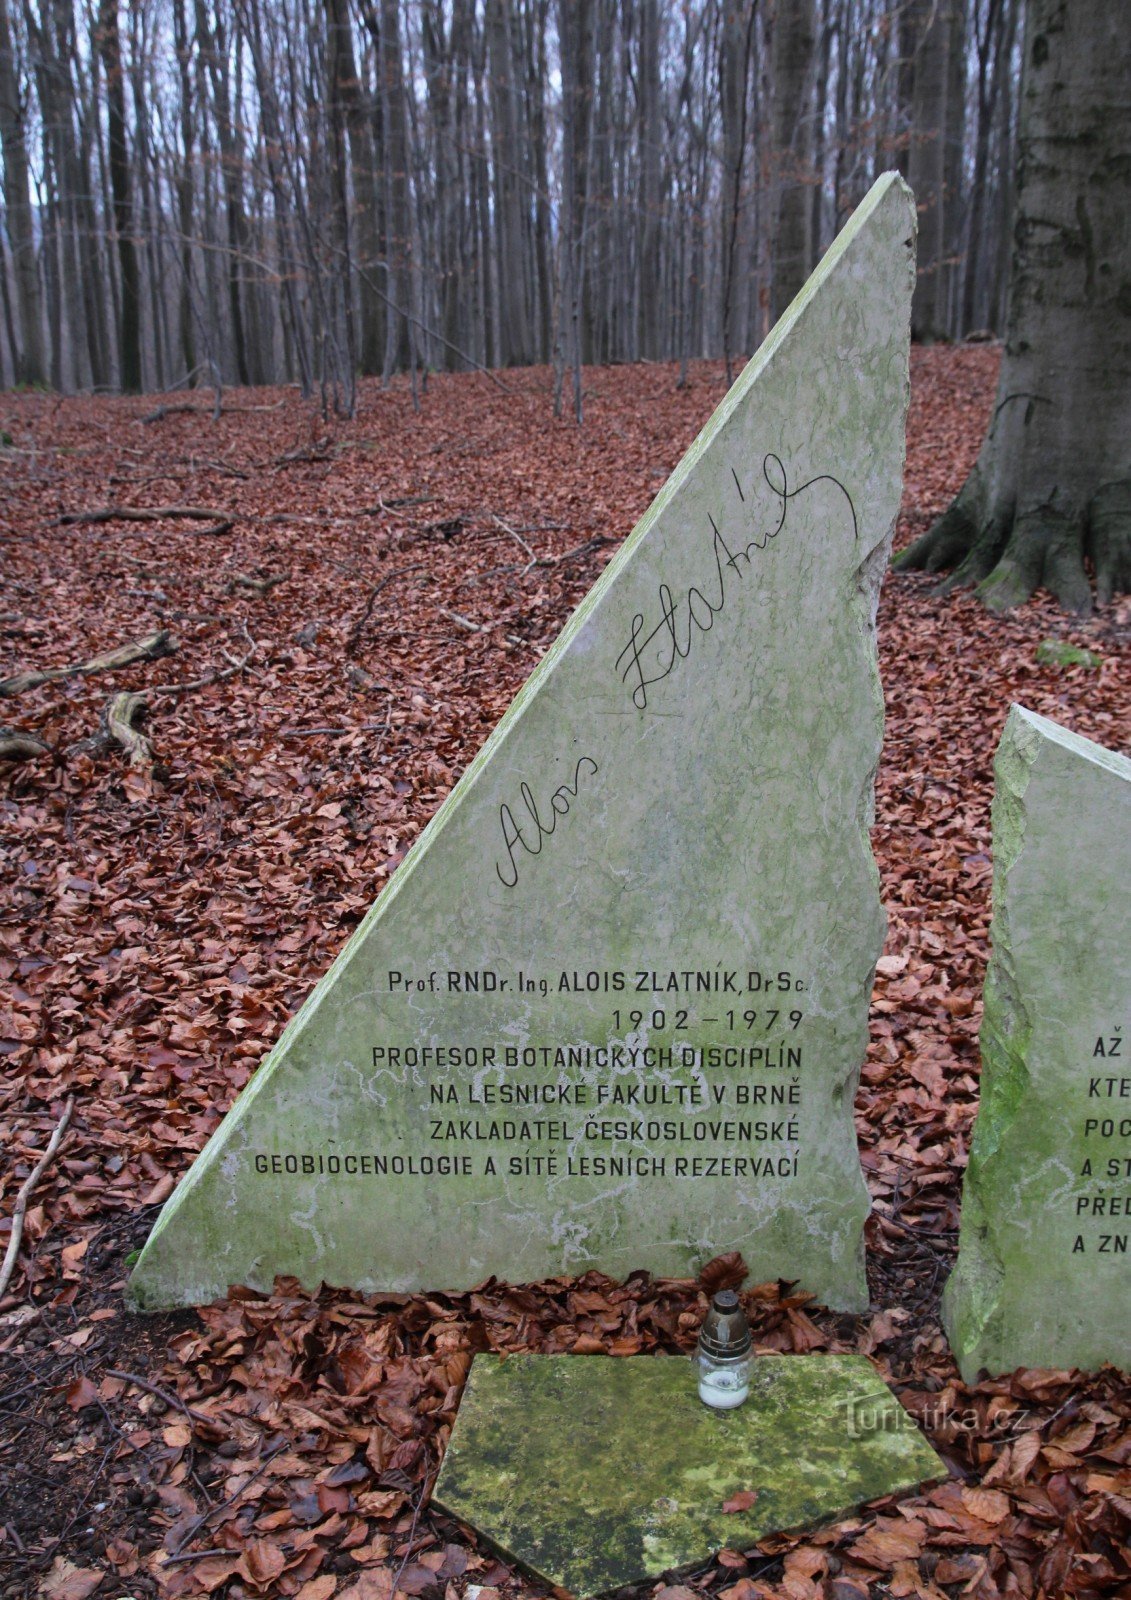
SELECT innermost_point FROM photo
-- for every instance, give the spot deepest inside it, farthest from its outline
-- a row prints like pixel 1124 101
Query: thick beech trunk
pixel 1052 486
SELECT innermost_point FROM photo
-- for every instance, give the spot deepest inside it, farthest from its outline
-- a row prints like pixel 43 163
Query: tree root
pixel 151 648
pixel 1007 558
pixel 218 521
pixel 1107 539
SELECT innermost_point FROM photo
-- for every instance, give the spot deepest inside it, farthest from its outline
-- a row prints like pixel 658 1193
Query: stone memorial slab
pixel 611 1009
pixel 593 1472
pixel 1044 1260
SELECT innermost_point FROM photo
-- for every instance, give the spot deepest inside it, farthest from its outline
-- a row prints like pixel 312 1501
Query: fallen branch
pixel 218 521
pixel 310 733
pixel 219 675
pixel 516 536
pixel 388 508
pixel 24 1195
pixel 594 542
pixel 197 1523
pixel 590 545
pixel 258 586
pixel 166 1395
pixel 122 712
pixel 356 631
pixel 17 746
pixel 182 410
pixel 151 648
pixel 214 412
pixel 309 453
pixel 462 621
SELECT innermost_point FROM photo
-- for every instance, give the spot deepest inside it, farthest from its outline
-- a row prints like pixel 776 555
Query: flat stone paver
pixel 593 1472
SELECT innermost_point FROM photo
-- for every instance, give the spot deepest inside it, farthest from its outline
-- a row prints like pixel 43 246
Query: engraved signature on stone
pixel 538 830
pixel 681 620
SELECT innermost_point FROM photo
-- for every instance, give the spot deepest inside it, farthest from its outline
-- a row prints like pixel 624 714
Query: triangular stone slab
pixel 593 1472
pixel 610 1012
pixel 1043 1277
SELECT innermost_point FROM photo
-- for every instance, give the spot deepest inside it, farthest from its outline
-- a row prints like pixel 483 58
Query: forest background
pixel 264 191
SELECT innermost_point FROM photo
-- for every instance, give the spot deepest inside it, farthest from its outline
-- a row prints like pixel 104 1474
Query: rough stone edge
pixel 867 580
pixel 970 1299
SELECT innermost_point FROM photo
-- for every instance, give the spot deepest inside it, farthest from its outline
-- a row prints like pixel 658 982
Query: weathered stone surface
pixel 594 1472
pixel 1044 1261
pixel 1059 653
pixel 650 900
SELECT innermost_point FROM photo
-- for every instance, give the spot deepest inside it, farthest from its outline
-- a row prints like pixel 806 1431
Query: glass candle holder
pixel 723 1384
pixel 722 1357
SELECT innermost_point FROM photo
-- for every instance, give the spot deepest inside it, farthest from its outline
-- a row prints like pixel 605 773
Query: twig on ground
pixel 213 412
pixel 461 621
pixel 356 631
pixel 309 733
pixel 24 1195
pixel 196 1555
pixel 218 521
pixel 305 453
pixel 158 1393
pixel 516 536
pixel 151 648
pixel 184 408
pixel 258 586
pixel 411 1535
pixel 595 542
pixel 587 547
pixel 222 1505
pixel 387 508
pixel 219 675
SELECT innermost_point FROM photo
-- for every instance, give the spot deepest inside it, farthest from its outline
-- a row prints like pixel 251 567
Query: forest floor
pixel 342 650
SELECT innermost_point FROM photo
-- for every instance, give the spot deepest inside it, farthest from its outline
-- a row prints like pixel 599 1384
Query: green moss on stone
pixel 1058 653
pixel 1042 1277
pixel 593 1472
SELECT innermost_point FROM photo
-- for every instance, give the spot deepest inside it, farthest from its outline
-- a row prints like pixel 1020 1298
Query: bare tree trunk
pixel 1053 481
pixel 650 338
pixel 506 145
pixel 363 170
pixel 110 49
pixel 212 41
pixel 398 225
pixel 929 22
pixel 575 30
pixel 538 82
pixel 987 44
pixel 341 80
pixel 185 192
pixel 792 62
pixel 30 367
pixel 954 207
pixel 734 73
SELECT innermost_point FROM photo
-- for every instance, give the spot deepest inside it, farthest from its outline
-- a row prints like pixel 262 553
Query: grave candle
pixel 722 1357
